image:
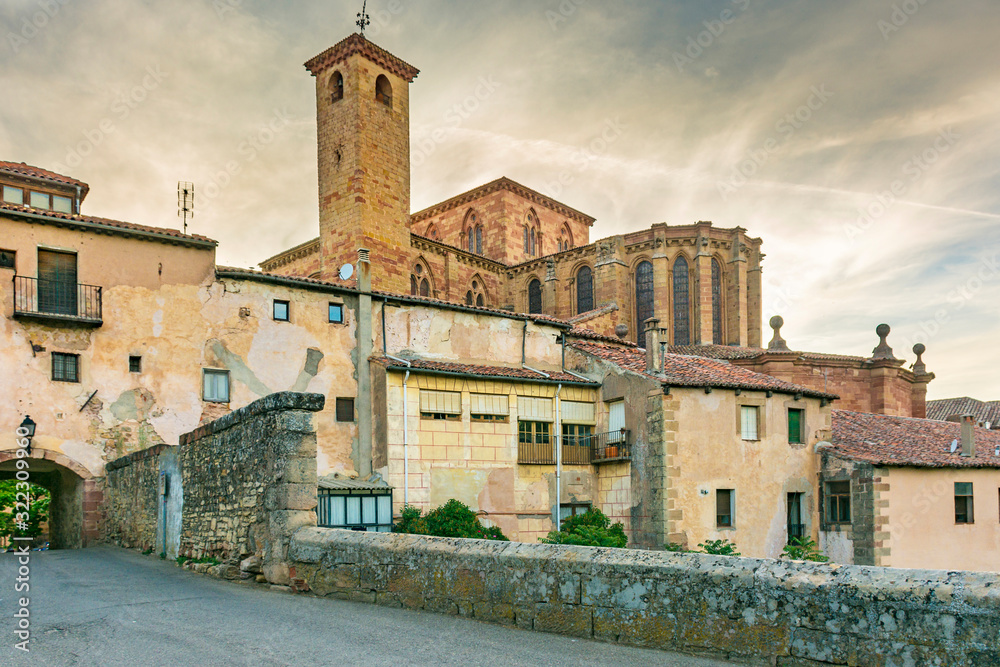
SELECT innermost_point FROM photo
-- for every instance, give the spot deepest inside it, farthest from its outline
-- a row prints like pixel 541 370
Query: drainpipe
pixel 555 511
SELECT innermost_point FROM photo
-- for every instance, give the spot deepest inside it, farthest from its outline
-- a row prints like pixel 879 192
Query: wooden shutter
pixel 489 404
pixel 57 282
pixel 441 402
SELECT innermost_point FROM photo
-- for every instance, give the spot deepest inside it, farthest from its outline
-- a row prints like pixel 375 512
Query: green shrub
pixel 675 547
pixel 719 548
pixel 38 499
pixel 803 548
pixel 590 529
pixel 453 519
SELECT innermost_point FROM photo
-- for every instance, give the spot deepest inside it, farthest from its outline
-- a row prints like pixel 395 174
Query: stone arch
pixel 534 233
pixel 383 90
pixel 583 287
pixel 680 299
pixel 643 294
pixel 336 86
pixel 533 295
pixel 477 295
pixel 565 238
pixel 432 232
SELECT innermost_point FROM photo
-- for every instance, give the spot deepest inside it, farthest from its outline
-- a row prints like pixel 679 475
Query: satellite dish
pixel 346 271
pixel 954 446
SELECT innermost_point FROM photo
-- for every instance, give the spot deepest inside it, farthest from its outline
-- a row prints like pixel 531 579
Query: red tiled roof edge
pixel 357 43
pixel 498 372
pixel 22 169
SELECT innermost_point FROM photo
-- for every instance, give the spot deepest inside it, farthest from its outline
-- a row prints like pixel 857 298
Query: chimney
pixel 364 270
pixel 968 436
pixel 654 335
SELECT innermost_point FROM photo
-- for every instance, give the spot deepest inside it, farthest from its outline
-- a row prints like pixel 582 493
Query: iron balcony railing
pixel 580 450
pixel 57 300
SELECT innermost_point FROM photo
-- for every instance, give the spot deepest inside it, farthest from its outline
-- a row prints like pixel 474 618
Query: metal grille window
pixel 345 409
pixel 748 422
pixel 135 364
pixel 716 302
pixel 838 502
pixel 963 503
pixel 682 303
pixel 584 290
pixel 281 310
pixel 643 299
pixel 65 367
pixel 725 504
pixel 796 421
pixel 535 296
pixel 355 510
pixel 215 385
pixel 489 407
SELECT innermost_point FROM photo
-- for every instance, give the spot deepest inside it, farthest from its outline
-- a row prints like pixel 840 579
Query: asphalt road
pixel 108 606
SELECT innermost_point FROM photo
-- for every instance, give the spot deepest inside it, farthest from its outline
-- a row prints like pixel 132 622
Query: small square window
pixel 725 507
pixel 65 367
pixel 7 259
pixel 280 310
pixel 135 364
pixel 838 502
pixel 337 313
pixel 796 419
pixel 13 195
pixel 748 422
pixel 963 503
pixel 345 409
pixel 62 204
pixel 39 200
pixel 215 385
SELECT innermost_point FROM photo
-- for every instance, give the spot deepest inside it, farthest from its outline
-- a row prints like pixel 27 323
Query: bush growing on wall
pixel 453 519
pixel 590 529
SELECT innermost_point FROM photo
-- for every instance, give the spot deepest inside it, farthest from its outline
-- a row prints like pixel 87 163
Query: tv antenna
pixel 185 202
pixel 363 20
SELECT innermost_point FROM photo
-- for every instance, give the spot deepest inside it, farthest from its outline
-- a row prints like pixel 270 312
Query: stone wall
pixel 763 611
pixel 131 498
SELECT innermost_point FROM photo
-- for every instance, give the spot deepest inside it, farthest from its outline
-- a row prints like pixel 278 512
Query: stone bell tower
pixel 363 134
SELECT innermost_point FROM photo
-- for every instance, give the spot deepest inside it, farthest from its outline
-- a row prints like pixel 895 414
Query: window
pixel 215 385
pixel 963 503
pixel 796 524
pixel 383 91
pixel 838 502
pixel 345 409
pixel 535 296
pixel 65 367
pixel 643 299
pixel 280 310
pixel 716 302
pixel 796 422
pixel 419 284
pixel 682 303
pixel 470 239
pixel 7 259
pixel 572 509
pixel 584 290
pixel 62 204
pixel 360 510
pixel 57 290
pixel 336 87
pixel 440 405
pixel 336 313
pixel 749 422
pixel 725 505
pixel 533 239
pixel 13 195
pixel 534 442
pixel 39 200
pixel 135 364
pixel 577 440
pixel 479 239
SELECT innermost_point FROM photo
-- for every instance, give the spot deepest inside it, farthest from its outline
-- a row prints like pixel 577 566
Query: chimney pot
pixel 968 436
pixel 654 362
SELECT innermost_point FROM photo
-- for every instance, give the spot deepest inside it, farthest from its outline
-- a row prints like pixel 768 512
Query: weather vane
pixel 363 19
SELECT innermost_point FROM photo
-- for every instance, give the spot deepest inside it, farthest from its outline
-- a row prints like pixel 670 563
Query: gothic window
pixel 470 240
pixel 432 232
pixel 420 281
pixel 535 296
pixel 336 87
pixel 716 302
pixel 565 239
pixel 527 241
pixel 479 239
pixel 682 303
pixel 383 90
pixel 475 296
pixel 468 298
pixel 413 284
pixel 584 290
pixel 425 288
pixel 532 253
pixel 643 299
pixel 480 301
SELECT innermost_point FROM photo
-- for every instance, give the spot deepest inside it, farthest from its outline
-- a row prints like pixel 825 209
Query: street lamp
pixel 29 427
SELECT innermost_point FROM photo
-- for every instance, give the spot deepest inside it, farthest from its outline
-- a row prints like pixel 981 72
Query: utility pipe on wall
pixel 557 511
pixel 406 411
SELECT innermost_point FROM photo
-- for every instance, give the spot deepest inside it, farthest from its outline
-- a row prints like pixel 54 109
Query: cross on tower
pixel 363 19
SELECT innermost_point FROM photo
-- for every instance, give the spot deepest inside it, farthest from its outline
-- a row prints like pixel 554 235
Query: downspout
pixel 556 510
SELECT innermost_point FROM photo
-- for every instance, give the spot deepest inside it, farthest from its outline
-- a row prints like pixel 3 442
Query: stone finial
pixel 883 351
pixel 918 367
pixel 777 343
pixel 621 331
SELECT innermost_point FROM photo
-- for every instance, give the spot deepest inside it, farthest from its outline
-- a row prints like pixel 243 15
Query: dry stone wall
pixel 762 611
pixel 132 499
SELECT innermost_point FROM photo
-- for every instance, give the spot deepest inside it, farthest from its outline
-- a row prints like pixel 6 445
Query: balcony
pixel 54 301
pixel 579 450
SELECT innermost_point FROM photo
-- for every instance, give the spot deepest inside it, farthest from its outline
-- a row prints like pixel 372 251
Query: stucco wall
pixel 776 612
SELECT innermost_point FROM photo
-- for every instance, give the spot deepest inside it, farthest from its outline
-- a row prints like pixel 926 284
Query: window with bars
pixel 355 510
pixel 65 367
pixel 643 299
pixel 717 302
pixel 796 422
pixel 535 296
pixel 584 290
pixel 838 501
pixel 682 302
pixel 749 426
pixel 963 503
pixel 725 504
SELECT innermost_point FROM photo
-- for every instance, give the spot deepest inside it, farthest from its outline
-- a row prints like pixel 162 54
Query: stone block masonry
pixel 758 611
pixel 131 499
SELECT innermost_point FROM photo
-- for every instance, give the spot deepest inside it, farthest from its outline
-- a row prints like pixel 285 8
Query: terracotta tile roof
pixel 695 371
pixel 499 372
pixel 236 272
pixel 983 411
pixel 906 441
pixel 736 352
pixel 534 317
pixel 22 169
pixel 357 43
pixel 105 224
pixel 589 334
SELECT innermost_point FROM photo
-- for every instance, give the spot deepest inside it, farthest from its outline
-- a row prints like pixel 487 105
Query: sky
pixel 859 139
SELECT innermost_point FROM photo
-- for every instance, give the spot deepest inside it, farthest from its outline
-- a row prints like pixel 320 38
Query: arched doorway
pixel 74 513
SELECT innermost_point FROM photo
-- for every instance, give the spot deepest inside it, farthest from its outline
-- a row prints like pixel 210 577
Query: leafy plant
pixel 37 498
pixel 147 551
pixel 675 547
pixel 803 548
pixel 590 529
pixel 719 548
pixel 453 519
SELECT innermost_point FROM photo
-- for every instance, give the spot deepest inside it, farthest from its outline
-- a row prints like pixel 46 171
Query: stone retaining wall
pixel 763 611
pixel 131 499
